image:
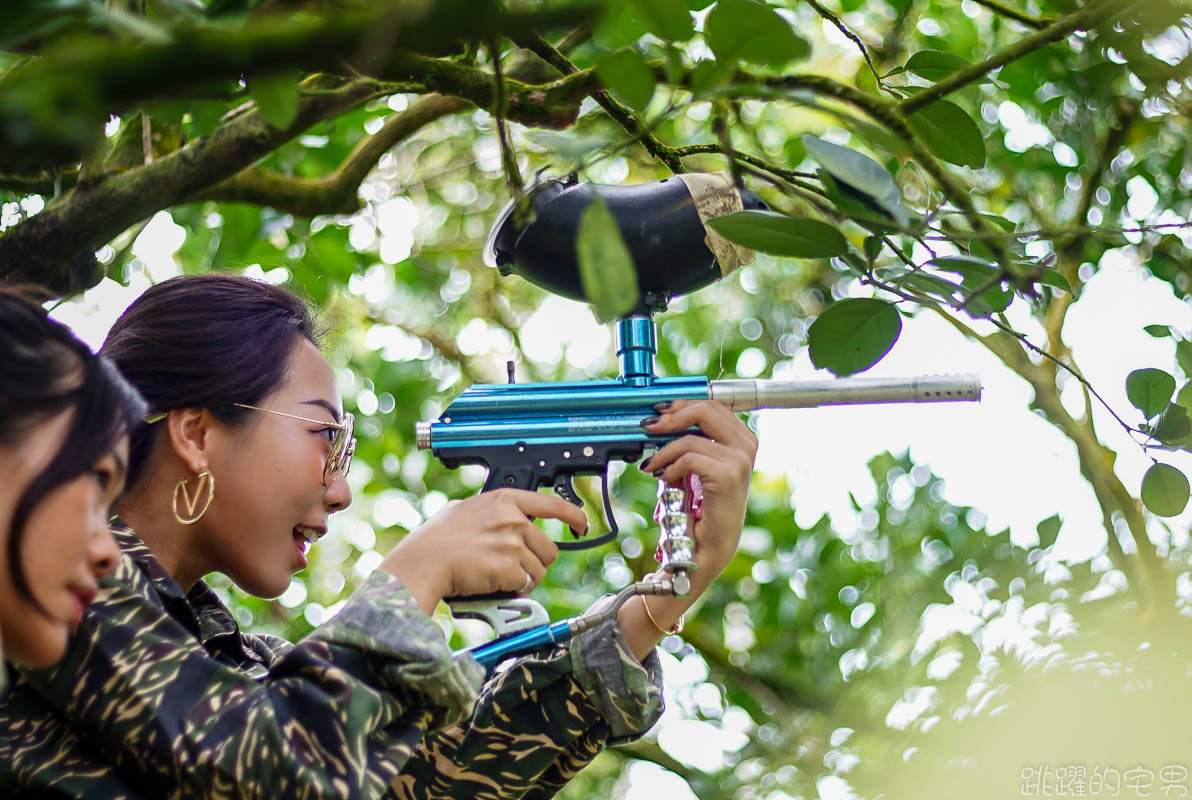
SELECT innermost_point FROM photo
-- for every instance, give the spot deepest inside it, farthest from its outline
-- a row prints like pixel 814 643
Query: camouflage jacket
pixel 161 695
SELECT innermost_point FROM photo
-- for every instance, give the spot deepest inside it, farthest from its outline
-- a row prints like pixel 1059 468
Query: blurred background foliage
pixel 916 654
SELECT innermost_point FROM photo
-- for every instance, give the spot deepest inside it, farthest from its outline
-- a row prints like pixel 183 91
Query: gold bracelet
pixel 676 628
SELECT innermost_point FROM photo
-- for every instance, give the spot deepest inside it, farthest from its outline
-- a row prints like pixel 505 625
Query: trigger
pixel 566 489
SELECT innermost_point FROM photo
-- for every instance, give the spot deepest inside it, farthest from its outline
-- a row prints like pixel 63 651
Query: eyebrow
pixel 335 413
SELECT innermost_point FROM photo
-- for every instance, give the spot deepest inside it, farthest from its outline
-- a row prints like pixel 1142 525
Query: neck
pixel 178 548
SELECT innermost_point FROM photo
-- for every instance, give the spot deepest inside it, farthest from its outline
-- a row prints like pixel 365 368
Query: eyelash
pixel 330 433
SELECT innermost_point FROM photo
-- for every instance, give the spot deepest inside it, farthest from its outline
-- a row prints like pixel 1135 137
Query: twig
pixel 508 159
pixel 620 114
pixel 1087 17
pixel 828 15
pixel 1061 233
pixel 1015 14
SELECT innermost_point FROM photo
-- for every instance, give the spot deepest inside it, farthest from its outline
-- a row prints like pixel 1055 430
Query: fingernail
pixel 648 421
pixel 663 406
pixel 645 465
pixel 658 473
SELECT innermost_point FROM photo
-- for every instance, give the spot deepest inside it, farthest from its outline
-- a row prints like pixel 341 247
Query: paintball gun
pixel 531 435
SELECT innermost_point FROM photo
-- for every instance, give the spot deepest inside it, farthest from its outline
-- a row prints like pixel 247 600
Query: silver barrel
pixel 747 395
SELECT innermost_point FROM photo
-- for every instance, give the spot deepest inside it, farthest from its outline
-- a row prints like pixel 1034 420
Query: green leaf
pixel 752 31
pixel 276 94
pixel 935 65
pixel 1164 490
pixel 873 248
pixel 1173 425
pixel 1001 222
pixel 863 209
pixel 853 335
pixel 930 285
pixel 606 270
pixel 1183 357
pixel 780 235
pixel 1048 530
pixel 1055 280
pixel 617 26
pixel 993 300
pixel 1149 390
pixel 860 172
pixel 710 75
pixel 1158 331
pixel 205 116
pixel 950 133
pixel 667 19
pixel 626 74
pixel 567 145
pixel 965 266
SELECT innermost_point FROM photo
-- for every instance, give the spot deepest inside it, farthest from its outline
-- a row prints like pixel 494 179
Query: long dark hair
pixel 45 371
pixel 205 341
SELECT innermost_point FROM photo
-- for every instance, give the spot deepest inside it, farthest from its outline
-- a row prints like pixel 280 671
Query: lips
pixel 304 536
pixel 82 597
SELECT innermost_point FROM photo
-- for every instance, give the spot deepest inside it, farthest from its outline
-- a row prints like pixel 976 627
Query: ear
pixel 189 431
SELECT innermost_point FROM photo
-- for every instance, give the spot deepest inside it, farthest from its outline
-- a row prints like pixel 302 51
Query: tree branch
pixel 1015 14
pixel 620 114
pixel 890 115
pixel 97 78
pixel 82 220
pixel 1089 16
pixel 334 193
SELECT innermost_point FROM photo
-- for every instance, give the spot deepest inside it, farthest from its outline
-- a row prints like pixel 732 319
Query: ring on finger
pixel 526 586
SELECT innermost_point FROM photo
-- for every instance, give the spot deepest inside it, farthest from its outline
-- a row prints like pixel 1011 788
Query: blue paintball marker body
pixel 534 435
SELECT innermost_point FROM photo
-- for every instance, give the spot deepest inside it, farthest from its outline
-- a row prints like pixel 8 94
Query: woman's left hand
pixel 723 459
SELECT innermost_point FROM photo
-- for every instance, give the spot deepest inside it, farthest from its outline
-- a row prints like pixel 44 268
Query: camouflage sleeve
pixel 538 723
pixel 335 716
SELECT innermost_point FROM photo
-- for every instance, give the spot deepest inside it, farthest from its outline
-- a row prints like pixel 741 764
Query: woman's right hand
pixel 483 544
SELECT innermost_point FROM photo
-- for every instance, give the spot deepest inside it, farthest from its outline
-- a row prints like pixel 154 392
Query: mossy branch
pixel 42 248
pixel 46 103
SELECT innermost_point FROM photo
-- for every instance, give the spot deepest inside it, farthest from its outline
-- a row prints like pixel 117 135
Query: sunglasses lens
pixel 342 448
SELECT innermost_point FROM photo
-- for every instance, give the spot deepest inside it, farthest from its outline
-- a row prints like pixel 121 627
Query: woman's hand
pixel 724 463
pixel 483 544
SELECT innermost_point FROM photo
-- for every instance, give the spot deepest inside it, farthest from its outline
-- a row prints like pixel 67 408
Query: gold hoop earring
pixel 205 479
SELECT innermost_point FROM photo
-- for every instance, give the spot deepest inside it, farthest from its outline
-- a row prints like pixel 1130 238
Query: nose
pixel 338 495
pixel 102 552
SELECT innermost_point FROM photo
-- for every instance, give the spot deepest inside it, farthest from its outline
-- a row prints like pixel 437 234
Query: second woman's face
pixel 65 549
pixel 270 501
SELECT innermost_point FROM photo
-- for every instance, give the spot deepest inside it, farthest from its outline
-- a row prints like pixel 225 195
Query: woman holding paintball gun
pixel 237 467
pixel 64 421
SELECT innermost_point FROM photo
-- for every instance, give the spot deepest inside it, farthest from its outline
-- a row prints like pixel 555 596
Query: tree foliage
pixel 975 161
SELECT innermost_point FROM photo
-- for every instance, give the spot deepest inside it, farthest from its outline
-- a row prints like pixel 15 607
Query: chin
pixel 45 649
pixel 266 587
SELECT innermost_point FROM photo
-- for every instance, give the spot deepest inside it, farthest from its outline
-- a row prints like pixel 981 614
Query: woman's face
pixel 66 546
pixel 270 501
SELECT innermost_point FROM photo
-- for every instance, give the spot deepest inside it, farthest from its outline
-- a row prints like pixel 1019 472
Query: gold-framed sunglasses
pixel 343 444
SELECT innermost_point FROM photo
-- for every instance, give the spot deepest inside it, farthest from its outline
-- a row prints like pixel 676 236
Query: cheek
pixel 55 541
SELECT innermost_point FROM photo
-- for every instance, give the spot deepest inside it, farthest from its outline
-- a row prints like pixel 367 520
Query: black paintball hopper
pixel 658 221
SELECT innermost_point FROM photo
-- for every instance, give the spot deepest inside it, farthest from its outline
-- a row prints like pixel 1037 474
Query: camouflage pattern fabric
pixel 160 695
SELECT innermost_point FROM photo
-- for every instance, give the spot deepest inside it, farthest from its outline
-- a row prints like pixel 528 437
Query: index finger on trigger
pixel 536 504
